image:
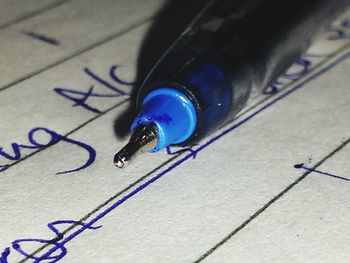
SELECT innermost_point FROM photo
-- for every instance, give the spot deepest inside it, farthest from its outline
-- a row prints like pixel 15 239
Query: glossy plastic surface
pixel 171 112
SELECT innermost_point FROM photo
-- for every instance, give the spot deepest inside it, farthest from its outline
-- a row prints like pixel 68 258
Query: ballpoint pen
pixel 231 51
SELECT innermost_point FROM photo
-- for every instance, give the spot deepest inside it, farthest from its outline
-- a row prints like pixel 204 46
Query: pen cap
pixel 172 114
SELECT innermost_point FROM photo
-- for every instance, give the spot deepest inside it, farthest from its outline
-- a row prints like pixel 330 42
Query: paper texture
pixel 272 185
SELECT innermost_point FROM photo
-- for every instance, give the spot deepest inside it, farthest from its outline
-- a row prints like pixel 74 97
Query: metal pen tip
pixel 144 139
pixel 120 161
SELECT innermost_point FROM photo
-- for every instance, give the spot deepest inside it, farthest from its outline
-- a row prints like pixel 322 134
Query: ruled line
pixel 269 203
pixel 304 167
pixel 107 202
pixel 9 166
pixel 188 156
pixel 29 15
pixel 77 53
pixel 318 66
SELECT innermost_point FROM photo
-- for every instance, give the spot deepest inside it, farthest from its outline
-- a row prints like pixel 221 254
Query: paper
pixel 270 186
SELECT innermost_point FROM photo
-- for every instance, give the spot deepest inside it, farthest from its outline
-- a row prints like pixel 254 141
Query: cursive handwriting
pixel 34 144
pixel 80 98
pixel 60 241
pixel 304 64
pixel 296 71
pixel 59 248
pixel 4 255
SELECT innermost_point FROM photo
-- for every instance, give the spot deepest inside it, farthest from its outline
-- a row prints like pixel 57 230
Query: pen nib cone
pixel 144 139
pixel 119 161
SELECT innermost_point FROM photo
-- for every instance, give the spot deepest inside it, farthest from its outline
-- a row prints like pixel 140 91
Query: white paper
pixel 237 197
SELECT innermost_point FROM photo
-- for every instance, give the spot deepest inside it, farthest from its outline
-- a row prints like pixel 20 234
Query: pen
pixel 231 51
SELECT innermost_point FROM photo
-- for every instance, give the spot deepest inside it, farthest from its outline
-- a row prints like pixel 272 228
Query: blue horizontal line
pixel 191 154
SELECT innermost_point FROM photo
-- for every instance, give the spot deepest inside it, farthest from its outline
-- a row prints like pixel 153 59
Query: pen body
pixel 234 49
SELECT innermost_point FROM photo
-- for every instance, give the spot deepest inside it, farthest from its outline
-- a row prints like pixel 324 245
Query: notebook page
pixel 13 11
pixel 260 181
pixel 60 33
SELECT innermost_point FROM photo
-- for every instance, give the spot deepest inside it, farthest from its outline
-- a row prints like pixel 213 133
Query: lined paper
pixel 14 11
pixel 270 186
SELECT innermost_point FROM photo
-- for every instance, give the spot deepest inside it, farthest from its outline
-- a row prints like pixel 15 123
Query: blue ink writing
pixel 303 67
pixel 80 98
pixel 303 167
pixel 53 139
pixel 342 31
pixel 55 242
pixel 182 160
pixel 298 70
pixel 339 32
pixel 67 93
pixel 169 151
pixel 4 255
pixel 42 37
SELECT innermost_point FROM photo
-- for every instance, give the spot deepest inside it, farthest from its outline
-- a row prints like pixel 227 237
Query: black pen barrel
pixel 236 48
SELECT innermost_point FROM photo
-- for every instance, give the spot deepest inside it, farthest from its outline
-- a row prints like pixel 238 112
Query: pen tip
pixel 142 140
pixel 119 161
